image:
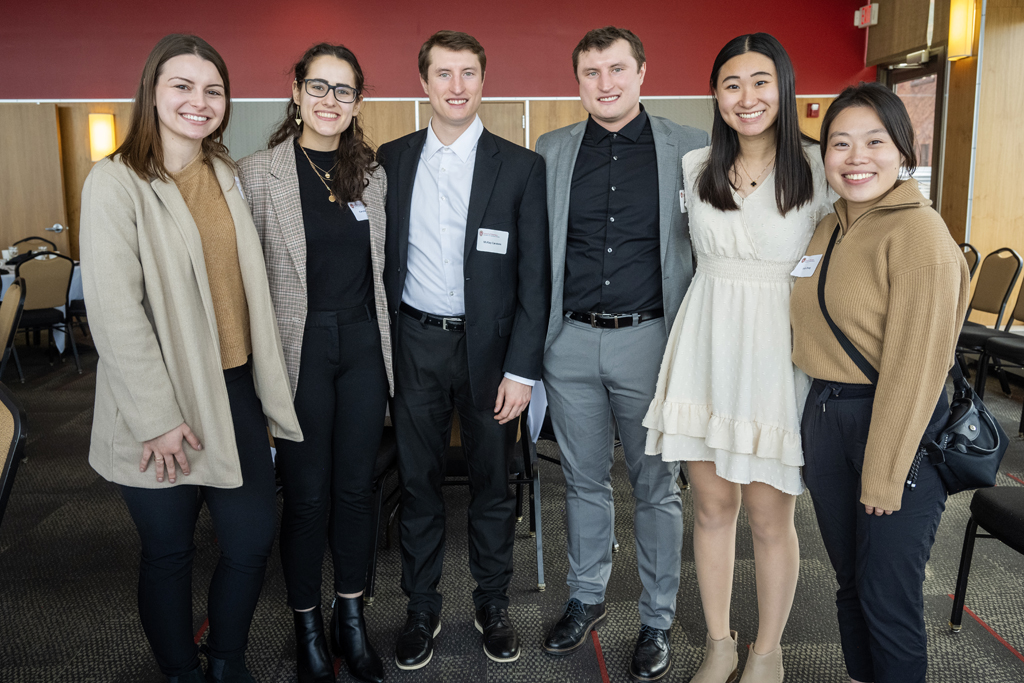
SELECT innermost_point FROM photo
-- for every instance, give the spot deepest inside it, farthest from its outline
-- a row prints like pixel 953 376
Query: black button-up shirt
pixel 613 252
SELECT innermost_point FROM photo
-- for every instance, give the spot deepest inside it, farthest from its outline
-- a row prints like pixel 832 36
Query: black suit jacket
pixel 507 295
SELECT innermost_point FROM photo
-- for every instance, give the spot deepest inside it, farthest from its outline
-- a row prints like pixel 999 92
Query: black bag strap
pixel 856 356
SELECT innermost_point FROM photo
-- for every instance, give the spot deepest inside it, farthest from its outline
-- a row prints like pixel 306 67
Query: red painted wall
pixel 59 49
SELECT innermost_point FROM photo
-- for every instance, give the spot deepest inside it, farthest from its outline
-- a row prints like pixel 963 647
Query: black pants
pixel 328 477
pixel 879 561
pixel 244 519
pixel 432 376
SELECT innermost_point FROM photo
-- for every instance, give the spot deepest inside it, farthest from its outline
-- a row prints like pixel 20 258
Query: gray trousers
pixel 592 376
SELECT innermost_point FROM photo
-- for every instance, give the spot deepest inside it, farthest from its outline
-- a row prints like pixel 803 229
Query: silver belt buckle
pixel 444 323
pixel 593 319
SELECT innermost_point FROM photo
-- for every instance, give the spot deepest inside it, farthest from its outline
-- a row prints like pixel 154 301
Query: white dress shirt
pixel 434 282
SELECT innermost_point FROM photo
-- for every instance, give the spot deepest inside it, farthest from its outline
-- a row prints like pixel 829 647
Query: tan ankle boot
pixel 763 668
pixel 721 663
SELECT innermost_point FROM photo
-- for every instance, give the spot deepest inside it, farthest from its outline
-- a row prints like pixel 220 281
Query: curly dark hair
pixel 355 156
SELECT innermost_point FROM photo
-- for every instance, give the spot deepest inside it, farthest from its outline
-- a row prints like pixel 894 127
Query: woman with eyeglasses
pixel 317 198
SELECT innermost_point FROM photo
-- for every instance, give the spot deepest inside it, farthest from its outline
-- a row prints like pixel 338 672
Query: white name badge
pixel 682 201
pixel 806 266
pixel 358 210
pixel 494 241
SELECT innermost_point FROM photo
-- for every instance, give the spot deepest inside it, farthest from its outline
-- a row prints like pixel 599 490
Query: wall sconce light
pixel 961 29
pixel 101 135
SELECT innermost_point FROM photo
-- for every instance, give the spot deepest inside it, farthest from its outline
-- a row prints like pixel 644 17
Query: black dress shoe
pixel 415 645
pixel 570 632
pixel 313 661
pixel 501 644
pixel 651 656
pixel 194 676
pixel 348 638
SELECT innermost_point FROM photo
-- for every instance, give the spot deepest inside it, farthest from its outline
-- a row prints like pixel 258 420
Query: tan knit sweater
pixel 202 194
pixel 898 287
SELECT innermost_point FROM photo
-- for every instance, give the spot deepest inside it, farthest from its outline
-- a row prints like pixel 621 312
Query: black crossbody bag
pixel 968 449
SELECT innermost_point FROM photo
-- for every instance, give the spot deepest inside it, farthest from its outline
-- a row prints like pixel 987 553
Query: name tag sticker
pixel 682 201
pixel 493 241
pixel 358 210
pixel 806 266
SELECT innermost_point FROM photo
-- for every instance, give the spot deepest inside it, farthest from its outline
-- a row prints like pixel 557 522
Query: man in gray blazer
pixel 620 265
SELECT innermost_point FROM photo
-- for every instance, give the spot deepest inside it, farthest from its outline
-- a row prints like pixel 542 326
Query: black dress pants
pixel 244 519
pixel 432 377
pixel 328 477
pixel 879 560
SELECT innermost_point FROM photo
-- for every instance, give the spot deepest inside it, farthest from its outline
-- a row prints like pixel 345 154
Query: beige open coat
pixel 152 320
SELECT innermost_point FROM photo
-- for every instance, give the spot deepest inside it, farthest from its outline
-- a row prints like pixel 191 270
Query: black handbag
pixel 968 449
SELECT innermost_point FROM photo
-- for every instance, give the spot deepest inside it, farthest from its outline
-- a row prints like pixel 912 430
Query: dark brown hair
pixel 602 39
pixel 794 183
pixel 456 41
pixel 142 150
pixel 354 155
pixel 891 111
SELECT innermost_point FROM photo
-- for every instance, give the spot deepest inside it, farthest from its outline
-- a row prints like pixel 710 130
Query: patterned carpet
pixel 69 552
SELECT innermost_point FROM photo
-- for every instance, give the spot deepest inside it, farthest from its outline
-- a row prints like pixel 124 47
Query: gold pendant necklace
pixel 316 170
pixel 753 181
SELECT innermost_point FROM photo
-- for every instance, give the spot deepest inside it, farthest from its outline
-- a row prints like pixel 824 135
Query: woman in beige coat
pixel 191 370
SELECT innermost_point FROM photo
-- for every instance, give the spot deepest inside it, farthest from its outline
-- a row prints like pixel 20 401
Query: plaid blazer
pixel 271 186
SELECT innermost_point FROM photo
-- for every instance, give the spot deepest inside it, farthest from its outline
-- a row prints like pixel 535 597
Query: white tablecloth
pixel 6 278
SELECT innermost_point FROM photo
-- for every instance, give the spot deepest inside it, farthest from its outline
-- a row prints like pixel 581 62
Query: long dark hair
pixel 794 184
pixel 354 155
pixel 142 150
pixel 889 108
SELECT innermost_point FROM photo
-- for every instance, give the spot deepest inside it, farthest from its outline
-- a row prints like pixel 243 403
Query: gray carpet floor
pixel 69 554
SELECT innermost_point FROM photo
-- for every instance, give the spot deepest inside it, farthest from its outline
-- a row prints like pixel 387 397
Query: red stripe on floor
pixel 988 628
pixel 600 657
pixel 202 630
pixel 337 660
pixel 1016 479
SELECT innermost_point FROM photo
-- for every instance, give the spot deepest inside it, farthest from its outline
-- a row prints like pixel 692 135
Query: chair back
pixel 999 273
pixel 12 444
pixel 48 278
pixel 33 244
pixel 972 257
pixel 10 312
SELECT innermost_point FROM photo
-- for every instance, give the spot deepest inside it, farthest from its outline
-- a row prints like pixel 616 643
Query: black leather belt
pixel 615 320
pixel 451 323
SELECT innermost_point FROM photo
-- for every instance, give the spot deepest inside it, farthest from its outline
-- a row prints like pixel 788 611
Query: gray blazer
pixel 671 142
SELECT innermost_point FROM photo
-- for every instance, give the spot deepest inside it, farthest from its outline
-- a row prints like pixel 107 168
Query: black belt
pixel 616 320
pixel 451 323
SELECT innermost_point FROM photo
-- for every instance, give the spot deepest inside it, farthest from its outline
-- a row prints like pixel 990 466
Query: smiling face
pixel 862 163
pixel 190 101
pixel 748 94
pixel 610 81
pixel 324 119
pixel 455 85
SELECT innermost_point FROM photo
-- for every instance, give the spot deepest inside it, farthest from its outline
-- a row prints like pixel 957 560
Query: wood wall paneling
pixel 809 126
pixel 31 179
pixel 903 28
pixel 549 115
pixel 504 119
pixel 384 121
pixel 75 153
pixel 997 218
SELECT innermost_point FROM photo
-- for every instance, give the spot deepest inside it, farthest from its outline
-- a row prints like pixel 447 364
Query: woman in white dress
pixel 728 398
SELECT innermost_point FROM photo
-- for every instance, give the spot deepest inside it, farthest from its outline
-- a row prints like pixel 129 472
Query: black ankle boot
pixel 194 676
pixel 348 638
pixel 227 670
pixel 311 656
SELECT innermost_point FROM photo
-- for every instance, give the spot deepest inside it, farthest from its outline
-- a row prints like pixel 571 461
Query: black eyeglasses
pixel 317 87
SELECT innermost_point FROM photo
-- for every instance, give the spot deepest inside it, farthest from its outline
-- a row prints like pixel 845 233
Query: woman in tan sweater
pixel 191 369
pixel 897 287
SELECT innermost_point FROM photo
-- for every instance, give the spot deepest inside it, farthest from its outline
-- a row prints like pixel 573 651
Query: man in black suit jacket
pixel 467 275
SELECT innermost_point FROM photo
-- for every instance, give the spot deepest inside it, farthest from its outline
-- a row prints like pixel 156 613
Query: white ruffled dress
pixel 728 391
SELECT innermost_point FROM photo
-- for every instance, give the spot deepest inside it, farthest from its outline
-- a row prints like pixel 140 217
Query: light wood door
pixel 31 176
pixel 504 119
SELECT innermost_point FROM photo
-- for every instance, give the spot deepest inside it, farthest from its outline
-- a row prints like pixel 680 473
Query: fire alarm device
pixel 812 110
pixel 866 16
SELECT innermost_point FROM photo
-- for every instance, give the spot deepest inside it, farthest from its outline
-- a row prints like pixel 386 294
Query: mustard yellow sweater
pixel 898 287
pixel 205 200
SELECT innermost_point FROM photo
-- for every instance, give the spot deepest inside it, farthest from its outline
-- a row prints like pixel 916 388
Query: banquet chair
pixel 1000 511
pixel 975 338
pixel 972 257
pixel 33 244
pixel 48 281
pixel 13 433
pixel 999 273
pixel 1006 349
pixel 10 315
